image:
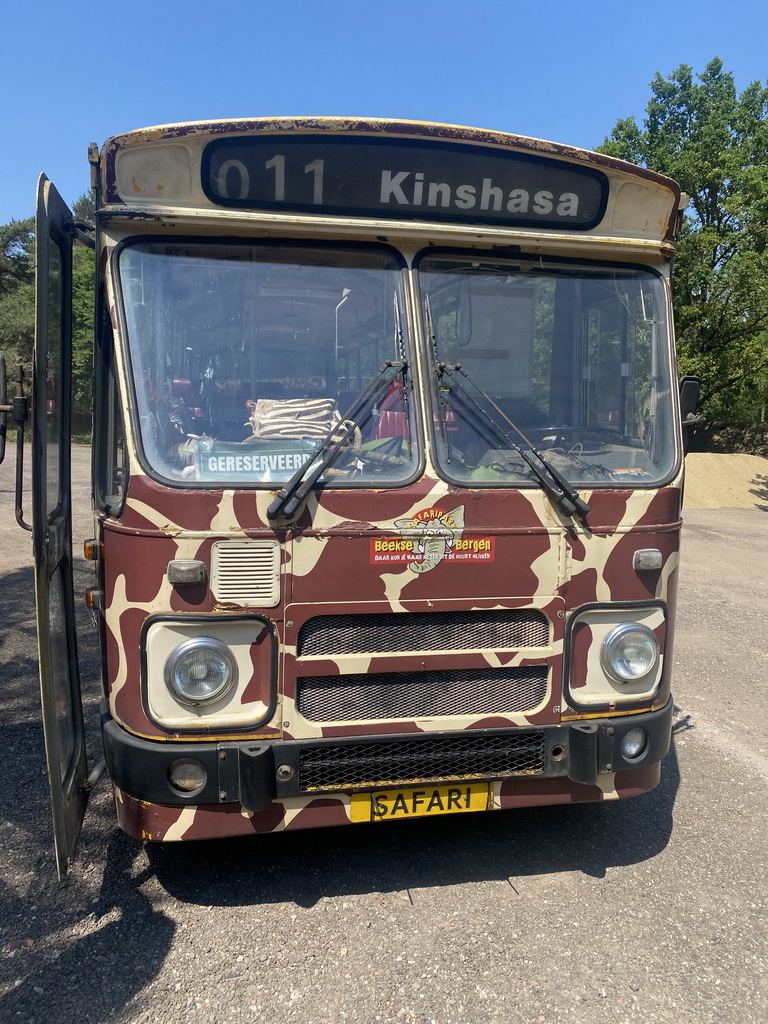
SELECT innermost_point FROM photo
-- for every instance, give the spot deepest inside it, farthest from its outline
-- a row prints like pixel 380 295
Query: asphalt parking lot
pixel 649 910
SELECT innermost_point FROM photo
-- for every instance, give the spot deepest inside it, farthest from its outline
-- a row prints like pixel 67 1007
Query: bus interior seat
pixel 183 389
pixel 391 418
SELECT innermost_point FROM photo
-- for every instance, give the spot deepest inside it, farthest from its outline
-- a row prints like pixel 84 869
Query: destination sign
pixel 402 179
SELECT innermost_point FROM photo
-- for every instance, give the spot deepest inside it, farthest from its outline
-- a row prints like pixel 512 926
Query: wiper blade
pixel 290 497
pixel 438 398
pixel 563 493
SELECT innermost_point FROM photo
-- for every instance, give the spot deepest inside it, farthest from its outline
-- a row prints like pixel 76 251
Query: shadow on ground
pixel 760 491
pixel 304 867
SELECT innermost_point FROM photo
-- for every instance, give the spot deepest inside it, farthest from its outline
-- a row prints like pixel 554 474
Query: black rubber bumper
pixel 254 773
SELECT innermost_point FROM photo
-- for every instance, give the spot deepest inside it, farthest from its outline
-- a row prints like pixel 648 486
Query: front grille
pixel 416 761
pixel 496 629
pixel 386 695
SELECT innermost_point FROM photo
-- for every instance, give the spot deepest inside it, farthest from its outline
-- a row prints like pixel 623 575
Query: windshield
pixel 576 357
pixel 246 358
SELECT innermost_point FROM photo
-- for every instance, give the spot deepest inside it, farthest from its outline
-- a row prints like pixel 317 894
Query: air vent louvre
pixel 246 573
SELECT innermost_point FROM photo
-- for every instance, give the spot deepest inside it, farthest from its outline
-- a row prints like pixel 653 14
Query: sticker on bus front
pixel 257 462
pixel 384 805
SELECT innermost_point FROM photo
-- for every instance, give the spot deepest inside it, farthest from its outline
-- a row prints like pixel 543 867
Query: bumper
pixel 253 773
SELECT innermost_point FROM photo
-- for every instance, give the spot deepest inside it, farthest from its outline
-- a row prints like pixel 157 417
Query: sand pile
pixel 714 480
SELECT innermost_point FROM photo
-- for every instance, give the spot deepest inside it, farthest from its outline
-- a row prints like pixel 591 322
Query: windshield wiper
pixel 290 497
pixel 552 482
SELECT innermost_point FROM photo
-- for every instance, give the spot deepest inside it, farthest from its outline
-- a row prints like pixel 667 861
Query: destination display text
pixel 402 179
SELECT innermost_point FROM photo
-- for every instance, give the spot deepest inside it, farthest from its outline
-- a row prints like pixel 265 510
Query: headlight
pixel 629 652
pixel 201 671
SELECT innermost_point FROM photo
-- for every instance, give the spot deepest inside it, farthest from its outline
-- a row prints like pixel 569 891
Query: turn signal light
pixel 91 550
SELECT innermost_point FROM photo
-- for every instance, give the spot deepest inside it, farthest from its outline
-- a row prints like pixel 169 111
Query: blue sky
pixel 78 72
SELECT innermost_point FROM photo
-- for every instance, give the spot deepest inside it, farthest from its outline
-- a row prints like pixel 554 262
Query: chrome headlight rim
pixel 191 646
pixel 610 644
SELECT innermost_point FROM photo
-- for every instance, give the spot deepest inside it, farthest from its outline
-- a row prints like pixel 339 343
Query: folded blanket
pixel 292 417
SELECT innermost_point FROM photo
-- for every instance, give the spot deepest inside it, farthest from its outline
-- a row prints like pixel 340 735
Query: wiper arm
pixel 436 390
pixel 563 493
pixel 290 497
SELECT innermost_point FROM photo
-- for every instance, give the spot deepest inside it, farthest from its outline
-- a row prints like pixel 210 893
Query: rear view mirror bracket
pixel 19 410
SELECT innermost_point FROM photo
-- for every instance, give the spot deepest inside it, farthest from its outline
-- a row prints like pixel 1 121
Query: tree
pixel 17 261
pixel 715 144
pixel 85 209
pixel 83 269
pixel 17 301
pixel 17 289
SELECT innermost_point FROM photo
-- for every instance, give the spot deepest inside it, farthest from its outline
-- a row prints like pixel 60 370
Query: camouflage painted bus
pixel 388 462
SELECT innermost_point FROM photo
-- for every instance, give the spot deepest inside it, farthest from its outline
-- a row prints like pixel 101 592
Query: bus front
pixel 388 471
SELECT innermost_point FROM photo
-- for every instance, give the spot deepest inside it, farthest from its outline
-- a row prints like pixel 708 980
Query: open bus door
pixel 52 522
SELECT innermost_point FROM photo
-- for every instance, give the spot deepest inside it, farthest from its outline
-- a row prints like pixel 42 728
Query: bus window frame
pixel 418 438
pixel 512 255
pixel 109 440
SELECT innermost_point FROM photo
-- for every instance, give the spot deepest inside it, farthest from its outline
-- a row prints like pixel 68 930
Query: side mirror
pixel 689 397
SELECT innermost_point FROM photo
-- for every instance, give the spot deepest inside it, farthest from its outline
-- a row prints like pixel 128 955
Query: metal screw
pixel 289 622
pixel 222 795
pixel 610 730
pixel 222 755
pixel 284 772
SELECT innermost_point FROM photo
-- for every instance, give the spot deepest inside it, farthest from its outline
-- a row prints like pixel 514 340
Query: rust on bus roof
pixel 381 126
pixel 402 129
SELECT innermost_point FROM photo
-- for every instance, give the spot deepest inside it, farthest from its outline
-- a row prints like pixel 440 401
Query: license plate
pixel 418 802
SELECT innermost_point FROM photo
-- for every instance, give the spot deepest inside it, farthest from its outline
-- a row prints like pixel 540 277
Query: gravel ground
pixel 645 910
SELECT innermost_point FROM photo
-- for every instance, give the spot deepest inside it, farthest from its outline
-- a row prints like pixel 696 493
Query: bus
pixel 387 471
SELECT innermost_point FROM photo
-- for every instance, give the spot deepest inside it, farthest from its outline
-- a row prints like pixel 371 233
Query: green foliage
pixel 83 271
pixel 17 290
pixel 17 302
pixel 17 324
pixel 17 266
pixel 715 143
pixel 85 209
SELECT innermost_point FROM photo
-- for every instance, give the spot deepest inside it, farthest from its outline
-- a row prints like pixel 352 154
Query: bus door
pixel 52 523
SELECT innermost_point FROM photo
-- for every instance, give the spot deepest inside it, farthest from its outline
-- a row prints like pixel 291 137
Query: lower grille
pixel 408 695
pixel 364 765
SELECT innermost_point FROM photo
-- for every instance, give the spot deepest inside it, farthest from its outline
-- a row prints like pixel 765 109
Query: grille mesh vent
pixel 496 629
pixel 246 573
pixel 393 695
pixel 364 765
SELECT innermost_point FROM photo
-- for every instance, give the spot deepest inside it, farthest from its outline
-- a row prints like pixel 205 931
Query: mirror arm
pixel 20 412
pixel 78 235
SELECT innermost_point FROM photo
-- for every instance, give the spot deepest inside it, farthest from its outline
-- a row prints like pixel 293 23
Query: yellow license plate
pixel 420 801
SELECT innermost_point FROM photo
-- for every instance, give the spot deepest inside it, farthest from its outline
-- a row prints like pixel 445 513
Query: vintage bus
pixel 387 473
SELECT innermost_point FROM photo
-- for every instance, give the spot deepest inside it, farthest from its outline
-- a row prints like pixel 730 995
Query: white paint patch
pixel 606 783
pixel 176 832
